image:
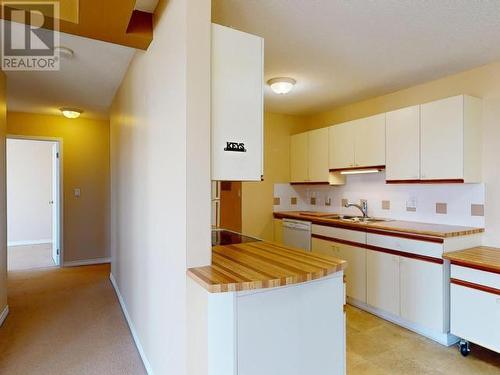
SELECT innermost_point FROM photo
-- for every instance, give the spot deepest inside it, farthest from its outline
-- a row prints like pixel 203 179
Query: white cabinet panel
pixel 422 293
pixel 341 144
pixel 382 281
pixel 403 144
pixel 356 265
pixel 237 104
pixel 299 157
pixel 430 249
pixel 442 139
pixel 369 147
pixel 318 155
pixel 475 316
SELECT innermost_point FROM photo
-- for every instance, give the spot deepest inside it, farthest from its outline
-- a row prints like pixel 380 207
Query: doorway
pixel 33 203
pixel 230 205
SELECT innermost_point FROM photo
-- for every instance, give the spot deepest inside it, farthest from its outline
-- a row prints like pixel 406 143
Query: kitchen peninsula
pixel 272 309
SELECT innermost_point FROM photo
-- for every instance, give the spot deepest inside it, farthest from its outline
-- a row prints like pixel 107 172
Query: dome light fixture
pixel 281 85
pixel 71 112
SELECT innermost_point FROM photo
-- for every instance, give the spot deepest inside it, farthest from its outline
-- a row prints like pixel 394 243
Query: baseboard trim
pixel 446 339
pixel 4 314
pixel 131 326
pixel 27 243
pixel 86 262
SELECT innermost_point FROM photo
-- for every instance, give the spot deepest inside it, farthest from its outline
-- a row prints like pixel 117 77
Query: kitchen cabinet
pixel 341 144
pixel 309 156
pixel 237 94
pixel 403 144
pixel 421 293
pixel 369 147
pixel 450 133
pixel 355 273
pixel 299 157
pixel 382 281
pixel 358 143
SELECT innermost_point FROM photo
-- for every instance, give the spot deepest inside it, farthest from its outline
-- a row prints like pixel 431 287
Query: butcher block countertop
pixel 483 258
pixel 257 265
pixel 409 227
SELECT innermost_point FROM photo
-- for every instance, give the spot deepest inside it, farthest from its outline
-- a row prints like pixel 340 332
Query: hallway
pixel 66 321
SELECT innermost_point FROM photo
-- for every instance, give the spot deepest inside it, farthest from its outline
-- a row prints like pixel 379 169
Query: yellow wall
pixel 483 82
pixel 3 198
pixel 85 157
pixel 257 197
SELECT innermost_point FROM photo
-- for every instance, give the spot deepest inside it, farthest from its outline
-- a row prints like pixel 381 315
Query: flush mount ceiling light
pixel 71 112
pixel 282 85
pixel 64 51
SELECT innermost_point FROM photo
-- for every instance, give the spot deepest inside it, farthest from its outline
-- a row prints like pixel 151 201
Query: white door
pixel 318 155
pixel 403 144
pixel 56 230
pixel 369 149
pixel 355 272
pixel 442 139
pixel 341 145
pixel 382 281
pixel 299 164
pixel 422 291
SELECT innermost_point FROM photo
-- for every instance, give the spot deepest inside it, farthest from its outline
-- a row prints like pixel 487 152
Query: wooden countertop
pixel 257 265
pixel 409 227
pixel 482 258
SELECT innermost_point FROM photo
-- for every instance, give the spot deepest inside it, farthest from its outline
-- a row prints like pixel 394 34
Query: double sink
pixel 355 219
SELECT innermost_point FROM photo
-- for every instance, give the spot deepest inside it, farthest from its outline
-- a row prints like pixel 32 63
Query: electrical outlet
pixel 411 204
pixel 328 201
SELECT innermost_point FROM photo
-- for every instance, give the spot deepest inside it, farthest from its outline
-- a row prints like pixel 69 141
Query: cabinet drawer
pixel 339 233
pixel 474 314
pixel 429 249
pixel 474 276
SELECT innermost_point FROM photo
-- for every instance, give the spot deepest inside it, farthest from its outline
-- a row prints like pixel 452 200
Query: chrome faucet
pixel 363 207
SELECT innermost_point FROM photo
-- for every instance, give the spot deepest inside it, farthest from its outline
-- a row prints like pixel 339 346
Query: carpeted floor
pixel 66 321
pixel 29 256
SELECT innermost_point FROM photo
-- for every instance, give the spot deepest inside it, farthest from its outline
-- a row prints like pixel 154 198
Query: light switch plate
pixel 77 192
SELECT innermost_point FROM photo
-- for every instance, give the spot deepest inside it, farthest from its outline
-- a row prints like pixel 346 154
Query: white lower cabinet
pixel 355 273
pixel 422 298
pixel 382 281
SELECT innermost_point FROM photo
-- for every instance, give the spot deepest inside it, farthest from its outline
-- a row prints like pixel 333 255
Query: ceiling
pixel 345 51
pixel 88 80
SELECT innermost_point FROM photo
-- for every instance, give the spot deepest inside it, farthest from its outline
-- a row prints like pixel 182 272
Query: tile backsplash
pixel 459 204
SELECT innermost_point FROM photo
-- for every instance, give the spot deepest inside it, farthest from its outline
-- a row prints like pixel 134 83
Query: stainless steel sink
pixel 361 219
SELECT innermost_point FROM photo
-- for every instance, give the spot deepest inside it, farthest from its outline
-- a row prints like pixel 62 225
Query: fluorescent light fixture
pixel 282 85
pixel 71 112
pixel 360 171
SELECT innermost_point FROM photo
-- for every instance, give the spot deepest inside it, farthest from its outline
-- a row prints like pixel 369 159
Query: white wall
pixel 372 187
pixel 29 190
pixel 159 146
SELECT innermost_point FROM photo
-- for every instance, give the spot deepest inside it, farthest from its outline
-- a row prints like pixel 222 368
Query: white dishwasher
pixel 297 233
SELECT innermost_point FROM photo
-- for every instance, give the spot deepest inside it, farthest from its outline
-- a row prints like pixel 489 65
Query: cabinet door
pixel 403 144
pixel 369 149
pixel 422 291
pixel 341 145
pixel 356 270
pixel 318 155
pixel 299 157
pixel 442 139
pixel 237 105
pixel 382 281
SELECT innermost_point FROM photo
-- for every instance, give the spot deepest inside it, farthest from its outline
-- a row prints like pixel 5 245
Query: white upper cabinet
pixel 318 155
pixel 358 143
pixel 369 146
pixel 450 133
pixel 341 144
pixel 237 105
pixel 299 157
pixel 403 144
pixel 309 156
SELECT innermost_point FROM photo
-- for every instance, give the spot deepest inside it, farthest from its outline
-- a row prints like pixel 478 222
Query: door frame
pixel 60 216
